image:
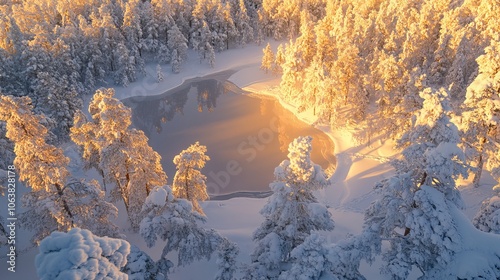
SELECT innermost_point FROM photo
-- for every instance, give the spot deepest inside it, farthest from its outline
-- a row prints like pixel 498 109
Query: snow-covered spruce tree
pixel 291 213
pixel 292 69
pixel 243 24
pixel 279 60
pixel 202 43
pixel 159 74
pixel 177 43
pixel 56 200
pixel 227 30
pixel 488 217
pixel 125 67
pixel 306 41
pixel 174 221
pixel 79 254
pixel 140 266
pixel 309 259
pixel 313 81
pixel 132 32
pixel 480 118
pixel 226 260
pixel 267 58
pixel 176 62
pixel 316 258
pixel 188 182
pixel 124 156
pixel 59 100
pixel 474 246
pixel 414 213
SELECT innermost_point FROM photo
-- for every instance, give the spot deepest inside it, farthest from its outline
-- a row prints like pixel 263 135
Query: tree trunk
pixel 103 179
pixel 479 171
pixel 186 182
pixel 122 193
pixel 414 205
pixel 65 204
pixel 125 194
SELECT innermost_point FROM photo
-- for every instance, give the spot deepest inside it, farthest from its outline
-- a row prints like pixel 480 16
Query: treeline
pixel 55 51
pixel 383 53
pixel 366 64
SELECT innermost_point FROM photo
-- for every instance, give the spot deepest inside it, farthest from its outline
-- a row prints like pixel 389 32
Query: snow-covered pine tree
pixel 150 27
pixel 110 43
pixel 309 259
pixel 279 60
pixel 83 133
pixel 125 68
pixel 140 266
pixel 226 260
pixel 480 118
pixel 415 209
pixel 57 97
pixel 314 77
pixel 79 254
pixel 267 59
pixel 227 28
pixel 317 259
pixel 307 39
pixel 202 43
pixel 56 201
pixel 174 221
pixel 292 213
pixel 125 158
pixel 188 182
pixel 132 32
pixel 210 55
pixel 243 24
pixel 176 62
pixel 292 69
pixel 177 42
pixel 159 73
pixel 88 204
pixel 488 217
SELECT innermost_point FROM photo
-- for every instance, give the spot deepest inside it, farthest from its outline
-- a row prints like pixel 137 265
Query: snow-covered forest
pixel 420 76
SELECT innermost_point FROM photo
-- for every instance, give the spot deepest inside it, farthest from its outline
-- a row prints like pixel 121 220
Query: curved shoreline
pixel 246 194
pixel 244 84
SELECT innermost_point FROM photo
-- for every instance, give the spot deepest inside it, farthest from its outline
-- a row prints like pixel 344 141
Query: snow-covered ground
pixel 359 167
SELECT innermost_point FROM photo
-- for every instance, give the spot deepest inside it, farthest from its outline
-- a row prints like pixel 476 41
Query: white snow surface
pixel 359 166
pixel 158 197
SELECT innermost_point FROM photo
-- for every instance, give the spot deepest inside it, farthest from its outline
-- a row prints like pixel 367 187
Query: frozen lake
pixel 246 135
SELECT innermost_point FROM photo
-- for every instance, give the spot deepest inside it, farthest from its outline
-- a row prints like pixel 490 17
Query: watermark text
pixel 11 218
